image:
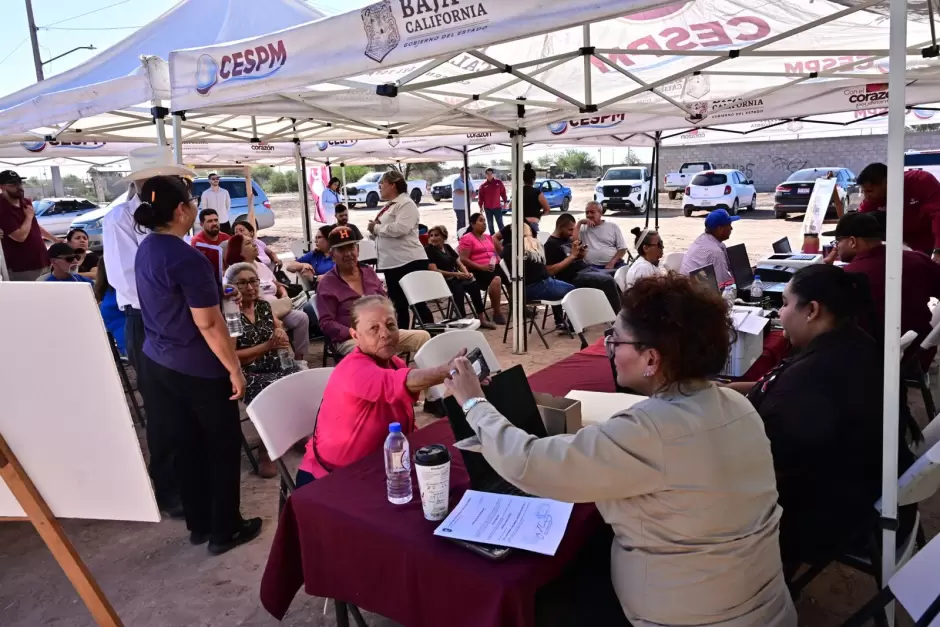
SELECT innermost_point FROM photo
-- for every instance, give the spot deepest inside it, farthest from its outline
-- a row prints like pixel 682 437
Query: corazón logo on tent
pixel 870 96
pixel 323 145
pixel 599 121
pixel 249 64
pixel 40 146
pixel 262 147
pixel 381 29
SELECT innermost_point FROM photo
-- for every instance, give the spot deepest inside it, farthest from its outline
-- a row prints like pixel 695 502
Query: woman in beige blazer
pixel 684 478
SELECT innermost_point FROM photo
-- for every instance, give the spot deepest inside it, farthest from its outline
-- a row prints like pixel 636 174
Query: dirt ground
pixel 154 578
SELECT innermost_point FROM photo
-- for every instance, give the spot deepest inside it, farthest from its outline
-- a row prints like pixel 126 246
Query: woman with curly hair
pixel 685 478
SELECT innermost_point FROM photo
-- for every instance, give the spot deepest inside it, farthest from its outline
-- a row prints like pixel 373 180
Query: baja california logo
pixel 40 146
pixel 344 142
pixel 599 121
pixel 381 29
pixel 250 64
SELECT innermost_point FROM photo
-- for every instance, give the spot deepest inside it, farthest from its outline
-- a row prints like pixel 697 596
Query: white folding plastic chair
pixel 586 307
pixel 912 371
pixel 620 277
pixel 442 348
pixel 543 236
pixel 907 339
pixel 528 315
pixel 368 253
pixel 462 232
pixel 673 261
pixel 931 435
pixel 298 248
pixel 423 286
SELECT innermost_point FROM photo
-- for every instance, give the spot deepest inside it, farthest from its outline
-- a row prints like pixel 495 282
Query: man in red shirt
pixel 859 244
pixel 20 233
pixel 210 239
pixel 921 205
pixel 493 199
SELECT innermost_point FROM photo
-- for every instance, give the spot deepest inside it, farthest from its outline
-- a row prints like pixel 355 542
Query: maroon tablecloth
pixel 590 370
pixel 339 537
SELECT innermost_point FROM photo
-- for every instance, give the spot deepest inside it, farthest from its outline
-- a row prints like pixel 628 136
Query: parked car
pixel 443 189
pixel 235 185
pixel 567 175
pixel 625 188
pixel 792 196
pixel 56 214
pixel 366 190
pixel 719 189
pixel 676 182
pixel 556 194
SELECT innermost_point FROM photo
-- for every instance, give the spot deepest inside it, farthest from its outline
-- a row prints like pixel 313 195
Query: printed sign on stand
pixel 818 205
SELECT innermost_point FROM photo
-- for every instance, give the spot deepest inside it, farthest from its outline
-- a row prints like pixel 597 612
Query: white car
pixel 366 190
pixel 675 182
pixel 720 189
pixel 56 214
pixel 625 189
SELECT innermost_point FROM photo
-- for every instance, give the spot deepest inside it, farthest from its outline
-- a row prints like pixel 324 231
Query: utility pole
pixel 57 188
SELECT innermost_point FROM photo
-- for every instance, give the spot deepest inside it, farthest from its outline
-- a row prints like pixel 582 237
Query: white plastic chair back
pixel 921 481
pixel 916 585
pixel 424 285
pixel 462 232
pixel 620 277
pixel 441 348
pixel 285 412
pixel 543 236
pixel 932 339
pixel 367 250
pixel 298 248
pixel 587 306
pixel 906 340
pixel 313 303
pixel 673 261
pixel 931 435
pixel 934 312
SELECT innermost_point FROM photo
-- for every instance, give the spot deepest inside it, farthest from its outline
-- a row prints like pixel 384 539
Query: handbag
pixel 281 307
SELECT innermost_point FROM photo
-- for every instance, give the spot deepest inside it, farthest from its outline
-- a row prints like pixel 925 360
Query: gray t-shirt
pixel 603 242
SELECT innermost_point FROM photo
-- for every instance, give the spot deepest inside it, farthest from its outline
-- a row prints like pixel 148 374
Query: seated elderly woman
pixel 341 287
pixel 317 262
pixel 822 410
pixel 446 261
pixel 685 477
pixel 370 389
pixel 257 346
pixel 243 250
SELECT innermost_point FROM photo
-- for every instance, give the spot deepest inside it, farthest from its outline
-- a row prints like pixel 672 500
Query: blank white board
pixel 62 406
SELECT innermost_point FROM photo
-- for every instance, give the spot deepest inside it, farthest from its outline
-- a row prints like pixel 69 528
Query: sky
pixel 66 24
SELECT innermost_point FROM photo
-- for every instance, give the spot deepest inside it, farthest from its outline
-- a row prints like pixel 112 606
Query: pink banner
pixel 317 179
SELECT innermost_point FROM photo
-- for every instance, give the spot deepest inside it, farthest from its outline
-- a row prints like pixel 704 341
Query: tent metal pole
pixel 300 167
pixel 586 36
pixel 161 131
pixel 467 192
pixel 518 284
pixel 892 331
pixel 658 146
pixel 342 170
pixel 177 139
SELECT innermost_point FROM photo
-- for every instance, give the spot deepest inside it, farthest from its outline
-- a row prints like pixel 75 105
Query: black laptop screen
pixel 740 265
pixel 782 246
pixel 705 276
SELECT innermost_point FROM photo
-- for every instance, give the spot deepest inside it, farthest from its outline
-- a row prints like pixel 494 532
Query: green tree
pixel 632 158
pixel 546 161
pixel 354 173
pixel 577 161
pixel 262 174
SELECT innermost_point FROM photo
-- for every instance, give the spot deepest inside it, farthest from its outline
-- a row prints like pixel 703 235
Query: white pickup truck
pixel 366 190
pixel 676 182
pixel 625 189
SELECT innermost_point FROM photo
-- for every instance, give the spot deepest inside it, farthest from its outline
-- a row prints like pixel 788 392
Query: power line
pixel 18 46
pixel 68 19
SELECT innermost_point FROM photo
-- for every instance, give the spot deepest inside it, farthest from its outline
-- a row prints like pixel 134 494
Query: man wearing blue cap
pixel 709 249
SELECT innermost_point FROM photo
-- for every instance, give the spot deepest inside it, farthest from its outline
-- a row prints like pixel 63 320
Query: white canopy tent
pixel 574 68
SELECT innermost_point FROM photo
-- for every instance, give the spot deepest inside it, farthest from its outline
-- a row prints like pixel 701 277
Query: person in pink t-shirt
pixel 370 389
pixel 481 253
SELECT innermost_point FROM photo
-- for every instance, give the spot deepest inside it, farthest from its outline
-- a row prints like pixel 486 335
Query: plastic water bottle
pixel 287 360
pixel 397 466
pixel 233 317
pixel 729 294
pixel 757 290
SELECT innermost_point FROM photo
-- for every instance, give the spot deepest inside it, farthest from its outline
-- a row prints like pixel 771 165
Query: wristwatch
pixel 472 402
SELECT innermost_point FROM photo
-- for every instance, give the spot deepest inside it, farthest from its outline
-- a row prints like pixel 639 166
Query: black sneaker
pixel 198 537
pixel 174 511
pixel 247 531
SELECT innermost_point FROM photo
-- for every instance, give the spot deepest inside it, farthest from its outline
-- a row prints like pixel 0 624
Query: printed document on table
pixel 520 522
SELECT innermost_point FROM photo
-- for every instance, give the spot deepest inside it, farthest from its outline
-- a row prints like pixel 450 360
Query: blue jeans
pixel 461 218
pixel 617 265
pixel 492 214
pixel 549 289
pixel 303 478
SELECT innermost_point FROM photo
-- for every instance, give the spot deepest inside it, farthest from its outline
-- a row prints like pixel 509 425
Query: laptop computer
pixel 782 246
pixel 510 394
pixel 705 276
pixel 740 266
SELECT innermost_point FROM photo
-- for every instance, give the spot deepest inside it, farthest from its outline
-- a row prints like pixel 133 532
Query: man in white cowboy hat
pixel 121 237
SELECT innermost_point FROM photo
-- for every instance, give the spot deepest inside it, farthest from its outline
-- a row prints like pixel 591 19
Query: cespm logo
pixel 40 146
pixel 250 64
pixel 558 128
pixel 598 121
pixel 323 145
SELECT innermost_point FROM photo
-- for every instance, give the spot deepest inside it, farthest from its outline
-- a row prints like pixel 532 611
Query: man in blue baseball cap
pixel 709 249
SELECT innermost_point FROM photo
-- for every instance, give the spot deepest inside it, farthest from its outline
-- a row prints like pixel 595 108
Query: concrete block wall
pixel 770 162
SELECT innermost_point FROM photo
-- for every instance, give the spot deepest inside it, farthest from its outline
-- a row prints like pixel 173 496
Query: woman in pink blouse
pixel 370 389
pixel 481 253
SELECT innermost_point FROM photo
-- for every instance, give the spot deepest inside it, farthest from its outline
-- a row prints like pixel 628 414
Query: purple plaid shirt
pixel 335 300
pixel 705 250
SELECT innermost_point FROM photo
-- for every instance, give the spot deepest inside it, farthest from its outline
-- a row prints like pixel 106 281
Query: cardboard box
pixel 560 415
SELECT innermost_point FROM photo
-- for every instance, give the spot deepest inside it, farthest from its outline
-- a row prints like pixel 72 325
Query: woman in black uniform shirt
pixel 445 260
pixel 822 410
pixel 534 204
